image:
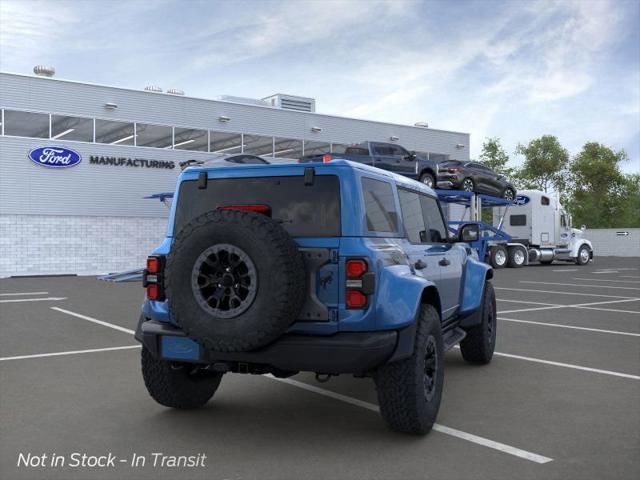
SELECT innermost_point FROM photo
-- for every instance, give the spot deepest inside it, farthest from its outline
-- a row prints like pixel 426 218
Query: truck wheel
pixel 175 385
pixel 499 256
pixel 468 185
pixel 409 391
pixel 583 255
pixel 235 280
pixel 478 345
pixel 517 257
pixel 428 180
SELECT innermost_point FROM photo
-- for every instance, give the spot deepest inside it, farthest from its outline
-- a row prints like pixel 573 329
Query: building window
pixel 316 148
pixel 191 139
pixel 258 145
pixel 114 133
pixel 379 206
pixel 338 147
pixel 157 136
pixel 26 124
pixel 71 128
pixel 225 143
pixel 287 148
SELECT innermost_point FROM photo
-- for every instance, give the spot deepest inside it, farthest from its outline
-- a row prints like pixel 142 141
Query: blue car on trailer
pixel 330 268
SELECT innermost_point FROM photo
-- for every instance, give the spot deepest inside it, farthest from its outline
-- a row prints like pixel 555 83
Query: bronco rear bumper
pixel 344 352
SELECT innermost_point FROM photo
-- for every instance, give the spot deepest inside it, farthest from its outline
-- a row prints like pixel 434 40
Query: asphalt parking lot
pixel 560 399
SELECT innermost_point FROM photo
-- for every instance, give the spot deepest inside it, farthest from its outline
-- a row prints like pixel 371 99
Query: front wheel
pixel 583 255
pixel 410 390
pixel 480 342
pixel 428 180
pixel 178 385
pixel 468 185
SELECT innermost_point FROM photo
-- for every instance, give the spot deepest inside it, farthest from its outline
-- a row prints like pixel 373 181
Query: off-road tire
pixel 281 280
pixel 173 384
pixel 495 256
pixel 401 385
pixel 480 342
pixel 426 177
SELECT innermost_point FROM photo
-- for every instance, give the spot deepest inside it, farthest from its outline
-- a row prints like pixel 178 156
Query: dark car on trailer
pixel 474 177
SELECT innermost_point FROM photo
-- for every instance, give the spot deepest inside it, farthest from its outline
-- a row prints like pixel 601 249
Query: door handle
pixel 444 262
pixel 420 265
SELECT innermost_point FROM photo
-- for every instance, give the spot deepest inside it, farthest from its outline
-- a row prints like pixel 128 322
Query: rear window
pixel 380 208
pixel 303 210
pixel 356 151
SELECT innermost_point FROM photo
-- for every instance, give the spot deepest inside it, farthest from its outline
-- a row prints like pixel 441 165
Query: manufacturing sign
pixel 55 157
pixel 521 200
pixel 130 162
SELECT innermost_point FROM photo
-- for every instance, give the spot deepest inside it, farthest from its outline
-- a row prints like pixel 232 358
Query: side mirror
pixel 411 156
pixel 469 232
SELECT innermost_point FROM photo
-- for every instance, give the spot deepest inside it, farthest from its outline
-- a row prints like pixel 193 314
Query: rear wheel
pixel 509 194
pixel 480 342
pixel 499 256
pixel 584 255
pixel 410 390
pixel 517 257
pixel 178 385
pixel 428 180
pixel 468 185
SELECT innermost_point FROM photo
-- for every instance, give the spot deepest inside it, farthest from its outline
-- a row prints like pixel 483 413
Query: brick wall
pixel 85 245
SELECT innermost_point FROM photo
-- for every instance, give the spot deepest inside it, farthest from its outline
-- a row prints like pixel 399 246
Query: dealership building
pixel 90 217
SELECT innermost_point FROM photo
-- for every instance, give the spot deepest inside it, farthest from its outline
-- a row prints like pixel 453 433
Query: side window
pixel 436 229
pixel 544 200
pixel 563 220
pixel 412 217
pixel 518 220
pixel 379 206
pixel 381 149
pixel 398 151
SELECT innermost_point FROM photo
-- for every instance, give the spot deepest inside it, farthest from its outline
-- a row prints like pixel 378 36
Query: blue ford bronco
pixel 322 267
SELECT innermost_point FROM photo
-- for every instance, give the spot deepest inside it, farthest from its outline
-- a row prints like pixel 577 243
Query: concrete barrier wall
pixel 615 242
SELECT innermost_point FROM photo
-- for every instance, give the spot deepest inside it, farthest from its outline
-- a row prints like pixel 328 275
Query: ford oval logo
pixel 55 157
pixel 521 200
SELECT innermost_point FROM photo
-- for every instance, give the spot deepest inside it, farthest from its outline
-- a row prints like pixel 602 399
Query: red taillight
pixel 356 299
pixel 454 170
pixel 326 158
pixel 153 291
pixel 356 268
pixel 153 265
pixel 265 209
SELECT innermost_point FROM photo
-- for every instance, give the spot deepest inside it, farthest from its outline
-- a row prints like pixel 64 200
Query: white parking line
pixel 526 301
pixel 485 442
pixel 607 280
pixel 72 352
pixel 569 365
pixel 580 285
pixel 629 276
pixel 598 330
pixel 23 293
pixel 588 306
pixel 611 310
pixel 566 270
pixel 48 299
pixel 607 271
pixel 563 293
pixel 94 320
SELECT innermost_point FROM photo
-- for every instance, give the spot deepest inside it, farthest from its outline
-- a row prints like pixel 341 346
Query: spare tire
pixel 235 280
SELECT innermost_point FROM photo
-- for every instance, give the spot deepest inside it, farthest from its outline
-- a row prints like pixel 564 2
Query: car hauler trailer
pixel 533 228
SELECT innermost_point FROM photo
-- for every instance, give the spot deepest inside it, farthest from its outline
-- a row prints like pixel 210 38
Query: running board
pixel 452 338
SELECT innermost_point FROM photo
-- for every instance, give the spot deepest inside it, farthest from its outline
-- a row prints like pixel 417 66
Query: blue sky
pixel 513 69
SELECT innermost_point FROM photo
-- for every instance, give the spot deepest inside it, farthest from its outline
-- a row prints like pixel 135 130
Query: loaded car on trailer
pixel 328 268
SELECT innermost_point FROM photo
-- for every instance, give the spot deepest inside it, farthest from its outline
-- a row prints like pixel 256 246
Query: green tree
pixel 630 215
pixel 545 164
pixel 495 157
pixel 600 196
